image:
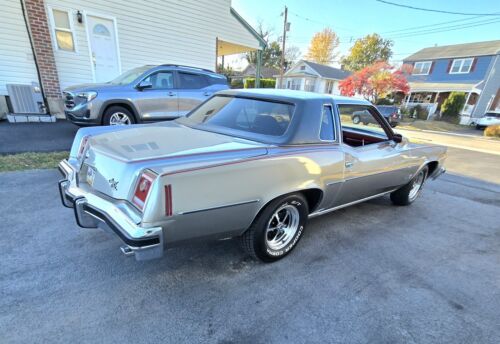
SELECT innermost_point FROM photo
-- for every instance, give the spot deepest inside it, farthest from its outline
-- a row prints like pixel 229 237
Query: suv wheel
pixel 118 115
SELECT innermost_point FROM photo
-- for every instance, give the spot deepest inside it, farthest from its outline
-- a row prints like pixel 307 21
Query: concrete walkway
pixel 36 137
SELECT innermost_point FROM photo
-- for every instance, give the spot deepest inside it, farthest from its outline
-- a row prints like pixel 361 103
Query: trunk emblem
pixel 113 184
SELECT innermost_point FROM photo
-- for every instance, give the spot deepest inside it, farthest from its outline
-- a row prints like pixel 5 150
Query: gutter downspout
pixel 28 30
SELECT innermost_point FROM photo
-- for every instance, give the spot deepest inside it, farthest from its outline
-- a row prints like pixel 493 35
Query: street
pixel 371 273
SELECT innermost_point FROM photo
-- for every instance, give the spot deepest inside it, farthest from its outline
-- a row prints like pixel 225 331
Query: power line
pixel 449 28
pixel 438 11
pixel 430 25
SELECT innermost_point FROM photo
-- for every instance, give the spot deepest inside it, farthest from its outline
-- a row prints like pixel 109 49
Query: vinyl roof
pixel 457 50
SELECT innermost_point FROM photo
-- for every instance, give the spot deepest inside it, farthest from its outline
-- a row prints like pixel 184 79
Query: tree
pixel 374 81
pixel 292 55
pixel 322 46
pixel 271 54
pixel 366 51
pixel 452 106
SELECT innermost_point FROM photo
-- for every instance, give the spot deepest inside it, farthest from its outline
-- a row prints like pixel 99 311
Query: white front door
pixel 103 48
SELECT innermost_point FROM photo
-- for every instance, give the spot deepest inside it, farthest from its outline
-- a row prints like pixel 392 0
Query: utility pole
pixel 286 27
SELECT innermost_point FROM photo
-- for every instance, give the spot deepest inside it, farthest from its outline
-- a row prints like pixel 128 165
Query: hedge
pixel 492 131
pixel 264 83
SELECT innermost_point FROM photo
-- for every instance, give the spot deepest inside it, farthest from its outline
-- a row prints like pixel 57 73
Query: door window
pixel 192 81
pixel 360 126
pixel 161 80
pixel 327 131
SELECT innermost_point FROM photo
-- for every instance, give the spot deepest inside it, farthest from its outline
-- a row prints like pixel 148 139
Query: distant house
pixel 265 72
pixel 48 45
pixel 473 68
pixel 313 77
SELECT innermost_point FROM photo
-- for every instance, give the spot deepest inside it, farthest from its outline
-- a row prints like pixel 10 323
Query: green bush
pixel 264 83
pixel 236 83
pixel 492 131
pixel 450 110
pixel 420 112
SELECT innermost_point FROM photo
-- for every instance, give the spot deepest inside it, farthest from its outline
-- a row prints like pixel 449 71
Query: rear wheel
pixel 277 229
pixel 356 120
pixel 118 115
pixel 409 193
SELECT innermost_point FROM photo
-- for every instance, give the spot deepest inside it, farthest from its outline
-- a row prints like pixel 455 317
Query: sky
pixel 352 19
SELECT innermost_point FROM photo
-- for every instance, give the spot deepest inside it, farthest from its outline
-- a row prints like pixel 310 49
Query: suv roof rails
pixel 184 66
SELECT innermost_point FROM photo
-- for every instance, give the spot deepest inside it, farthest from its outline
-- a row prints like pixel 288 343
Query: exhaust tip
pixel 126 250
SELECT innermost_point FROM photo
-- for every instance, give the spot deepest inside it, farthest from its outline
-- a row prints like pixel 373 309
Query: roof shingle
pixel 457 50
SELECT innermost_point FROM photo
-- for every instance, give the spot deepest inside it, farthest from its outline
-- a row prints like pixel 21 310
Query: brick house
pixel 52 44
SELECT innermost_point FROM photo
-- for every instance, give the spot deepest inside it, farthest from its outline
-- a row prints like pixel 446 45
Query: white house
pixel 58 43
pixel 313 77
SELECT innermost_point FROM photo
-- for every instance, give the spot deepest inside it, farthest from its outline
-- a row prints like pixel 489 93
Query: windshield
pixel 131 75
pixel 244 117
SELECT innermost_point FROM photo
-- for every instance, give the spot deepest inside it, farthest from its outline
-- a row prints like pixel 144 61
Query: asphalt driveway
pixel 36 137
pixel 372 273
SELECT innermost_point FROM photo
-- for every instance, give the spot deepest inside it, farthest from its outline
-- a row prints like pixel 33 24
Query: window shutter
pixel 473 64
pixel 432 67
pixel 449 66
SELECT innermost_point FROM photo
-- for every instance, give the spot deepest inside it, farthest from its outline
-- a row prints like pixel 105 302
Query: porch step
pixel 30 117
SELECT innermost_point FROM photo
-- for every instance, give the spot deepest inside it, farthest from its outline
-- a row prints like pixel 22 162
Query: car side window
pixel 327 131
pixel 192 80
pixel 161 80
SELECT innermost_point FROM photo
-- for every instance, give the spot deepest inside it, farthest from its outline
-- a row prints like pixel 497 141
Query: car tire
pixel 407 194
pixel 393 125
pixel 479 127
pixel 118 115
pixel 277 229
pixel 356 119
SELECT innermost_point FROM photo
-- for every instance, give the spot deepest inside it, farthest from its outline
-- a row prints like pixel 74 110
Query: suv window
pixel 217 80
pixel 359 118
pixel 192 81
pixel 161 80
pixel 326 133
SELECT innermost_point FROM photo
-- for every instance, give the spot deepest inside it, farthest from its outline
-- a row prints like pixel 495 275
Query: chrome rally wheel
pixel 408 193
pixel 282 227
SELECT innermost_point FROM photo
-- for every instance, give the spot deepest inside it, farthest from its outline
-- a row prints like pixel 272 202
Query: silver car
pixel 143 94
pixel 247 164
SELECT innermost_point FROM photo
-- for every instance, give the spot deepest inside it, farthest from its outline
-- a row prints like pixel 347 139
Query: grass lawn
pixel 433 125
pixel 31 161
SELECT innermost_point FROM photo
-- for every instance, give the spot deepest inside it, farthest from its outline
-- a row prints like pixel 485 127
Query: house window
pixel 461 66
pixel 302 67
pixel 309 85
pixel 63 32
pixel 294 84
pixel 422 68
pixel 329 86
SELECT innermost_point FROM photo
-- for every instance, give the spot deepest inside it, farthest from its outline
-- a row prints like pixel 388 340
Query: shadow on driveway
pixel 36 137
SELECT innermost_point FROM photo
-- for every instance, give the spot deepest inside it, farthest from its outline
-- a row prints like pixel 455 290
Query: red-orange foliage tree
pixel 375 81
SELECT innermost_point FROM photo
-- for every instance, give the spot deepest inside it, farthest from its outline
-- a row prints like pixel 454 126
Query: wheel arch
pixel 123 103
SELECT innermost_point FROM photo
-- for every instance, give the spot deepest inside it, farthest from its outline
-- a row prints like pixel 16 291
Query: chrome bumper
pixel 92 211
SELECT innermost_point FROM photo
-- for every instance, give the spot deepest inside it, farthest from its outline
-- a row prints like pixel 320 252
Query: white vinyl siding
pixel 152 32
pixel 16 58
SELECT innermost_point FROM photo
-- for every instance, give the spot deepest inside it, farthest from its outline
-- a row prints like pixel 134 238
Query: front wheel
pixel 277 229
pixel 407 194
pixel 118 115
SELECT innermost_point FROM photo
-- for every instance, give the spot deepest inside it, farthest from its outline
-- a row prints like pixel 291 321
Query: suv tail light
pixel 142 189
pixel 83 146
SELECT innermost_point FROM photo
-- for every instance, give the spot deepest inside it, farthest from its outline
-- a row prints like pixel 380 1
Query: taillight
pixel 168 200
pixel 142 189
pixel 83 146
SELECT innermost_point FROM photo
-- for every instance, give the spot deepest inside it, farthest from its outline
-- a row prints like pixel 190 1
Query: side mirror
pixel 398 138
pixel 144 84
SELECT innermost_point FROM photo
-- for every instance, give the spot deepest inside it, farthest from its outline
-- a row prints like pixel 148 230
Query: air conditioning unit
pixel 26 99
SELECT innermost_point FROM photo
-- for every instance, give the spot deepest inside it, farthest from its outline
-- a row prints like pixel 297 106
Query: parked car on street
pixel 248 164
pixel 143 94
pixel 489 118
pixel 391 113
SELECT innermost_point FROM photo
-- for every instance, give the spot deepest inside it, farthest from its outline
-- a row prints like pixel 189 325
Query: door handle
pixel 206 94
pixel 171 94
pixel 349 164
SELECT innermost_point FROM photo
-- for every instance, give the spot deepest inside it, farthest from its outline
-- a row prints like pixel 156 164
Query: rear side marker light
pixel 168 200
pixel 83 146
pixel 142 189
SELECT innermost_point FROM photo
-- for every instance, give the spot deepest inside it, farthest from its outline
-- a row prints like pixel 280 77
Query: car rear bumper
pixel 92 211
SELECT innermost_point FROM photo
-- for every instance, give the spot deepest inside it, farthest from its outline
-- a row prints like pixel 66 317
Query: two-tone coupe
pixel 247 164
